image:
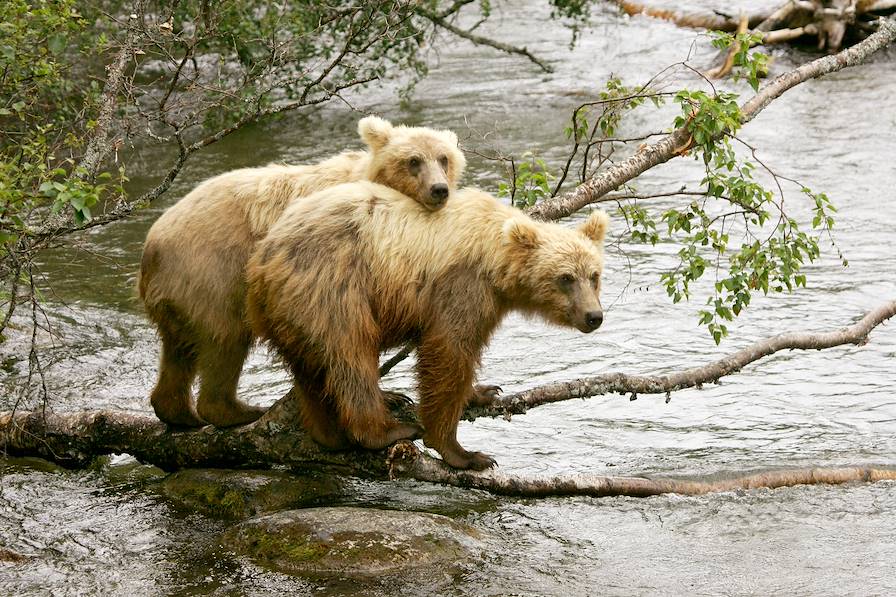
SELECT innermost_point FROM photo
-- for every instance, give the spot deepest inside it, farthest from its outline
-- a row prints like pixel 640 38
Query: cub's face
pixel 575 298
pixel 420 162
pixel 562 271
pixel 566 284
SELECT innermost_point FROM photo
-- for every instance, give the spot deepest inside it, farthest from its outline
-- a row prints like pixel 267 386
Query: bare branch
pixel 407 462
pixel 483 41
pixel 73 439
pixel 624 383
pixel 98 147
pixel 398 357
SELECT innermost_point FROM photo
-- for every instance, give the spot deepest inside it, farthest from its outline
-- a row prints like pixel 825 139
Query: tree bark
pixel 715 21
pixel 405 462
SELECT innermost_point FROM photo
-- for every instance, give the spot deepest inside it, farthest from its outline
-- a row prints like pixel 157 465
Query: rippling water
pixel 105 531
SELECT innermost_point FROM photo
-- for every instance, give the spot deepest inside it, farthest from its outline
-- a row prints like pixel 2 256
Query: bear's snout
pixel 438 193
pixel 593 319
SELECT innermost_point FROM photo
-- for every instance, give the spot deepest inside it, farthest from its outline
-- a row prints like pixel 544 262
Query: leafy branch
pixel 734 227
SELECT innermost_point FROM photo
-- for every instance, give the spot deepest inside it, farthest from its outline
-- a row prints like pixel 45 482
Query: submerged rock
pixel 354 542
pixel 235 495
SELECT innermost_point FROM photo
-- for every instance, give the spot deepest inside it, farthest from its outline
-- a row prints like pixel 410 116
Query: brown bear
pixel 192 275
pixel 358 268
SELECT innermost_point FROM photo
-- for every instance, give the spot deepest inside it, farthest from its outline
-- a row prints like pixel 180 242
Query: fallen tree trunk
pixel 830 21
pixel 715 21
pixel 74 439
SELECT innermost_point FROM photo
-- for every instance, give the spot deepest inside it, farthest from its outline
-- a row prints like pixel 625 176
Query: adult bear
pixel 358 268
pixel 192 275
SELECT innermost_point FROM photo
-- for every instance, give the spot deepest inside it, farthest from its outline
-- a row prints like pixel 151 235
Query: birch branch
pixel 671 146
pixel 98 147
pixel 483 41
pixel 624 383
pixel 405 461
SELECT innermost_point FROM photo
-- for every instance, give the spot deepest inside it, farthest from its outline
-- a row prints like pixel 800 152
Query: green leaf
pixel 78 202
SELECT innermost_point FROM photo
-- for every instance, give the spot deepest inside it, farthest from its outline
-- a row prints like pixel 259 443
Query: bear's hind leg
pixel 170 398
pixel 319 417
pixel 445 375
pixel 220 364
pixel 361 404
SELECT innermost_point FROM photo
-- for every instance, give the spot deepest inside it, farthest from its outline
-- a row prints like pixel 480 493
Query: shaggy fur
pixel 358 268
pixel 192 276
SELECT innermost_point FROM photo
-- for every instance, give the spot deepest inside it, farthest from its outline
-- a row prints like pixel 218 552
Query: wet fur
pixel 359 268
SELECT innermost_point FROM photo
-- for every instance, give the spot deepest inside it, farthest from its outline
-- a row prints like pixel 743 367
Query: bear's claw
pixel 397 399
pixel 484 394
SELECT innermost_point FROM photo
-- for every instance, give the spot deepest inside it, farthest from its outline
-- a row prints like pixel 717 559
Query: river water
pixel 106 531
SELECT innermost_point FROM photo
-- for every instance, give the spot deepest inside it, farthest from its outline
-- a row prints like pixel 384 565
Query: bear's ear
pixel 520 234
pixel 595 227
pixel 375 131
pixel 451 137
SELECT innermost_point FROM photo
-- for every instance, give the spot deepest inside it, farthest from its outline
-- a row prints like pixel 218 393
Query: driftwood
pixel 73 439
pixel 829 22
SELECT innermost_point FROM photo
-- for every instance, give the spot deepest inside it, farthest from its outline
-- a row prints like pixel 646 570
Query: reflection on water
pixel 107 532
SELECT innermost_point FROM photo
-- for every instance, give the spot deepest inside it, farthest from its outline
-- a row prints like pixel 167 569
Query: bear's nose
pixel 593 319
pixel 439 192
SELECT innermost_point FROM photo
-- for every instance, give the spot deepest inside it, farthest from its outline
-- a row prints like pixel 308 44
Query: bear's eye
pixel 414 163
pixel 444 161
pixel 566 280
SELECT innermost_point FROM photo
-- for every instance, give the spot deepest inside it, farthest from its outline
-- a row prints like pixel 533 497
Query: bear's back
pixel 395 237
pixel 259 195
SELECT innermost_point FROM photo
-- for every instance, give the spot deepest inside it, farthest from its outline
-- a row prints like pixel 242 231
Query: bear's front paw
pixel 484 395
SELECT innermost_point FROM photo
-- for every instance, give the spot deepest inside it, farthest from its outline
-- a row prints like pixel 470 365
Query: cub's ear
pixel 595 227
pixel 450 137
pixel 520 234
pixel 375 131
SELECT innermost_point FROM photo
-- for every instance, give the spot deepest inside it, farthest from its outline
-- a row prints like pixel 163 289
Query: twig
pixel 483 41
pixel 396 358
pixel 98 146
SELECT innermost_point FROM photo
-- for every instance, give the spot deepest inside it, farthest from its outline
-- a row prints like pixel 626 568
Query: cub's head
pixel 421 162
pixel 559 269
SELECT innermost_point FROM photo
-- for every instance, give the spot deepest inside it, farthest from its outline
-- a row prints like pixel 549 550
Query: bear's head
pixel 558 270
pixel 420 162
